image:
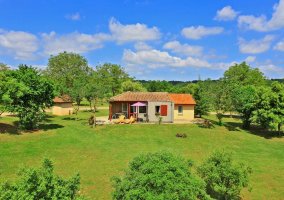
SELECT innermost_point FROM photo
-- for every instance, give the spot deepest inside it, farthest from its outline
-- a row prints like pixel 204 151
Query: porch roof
pixel 141 96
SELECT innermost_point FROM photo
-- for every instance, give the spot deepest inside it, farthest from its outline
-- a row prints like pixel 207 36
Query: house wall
pixel 62 109
pixel 188 112
pixel 151 111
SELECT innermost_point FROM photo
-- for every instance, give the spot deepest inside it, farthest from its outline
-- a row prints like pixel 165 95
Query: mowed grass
pixel 105 151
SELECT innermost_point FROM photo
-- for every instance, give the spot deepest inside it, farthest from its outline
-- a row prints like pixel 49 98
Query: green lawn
pixel 100 153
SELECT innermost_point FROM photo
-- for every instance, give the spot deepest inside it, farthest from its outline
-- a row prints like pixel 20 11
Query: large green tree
pixel 237 76
pixel 69 71
pixel 111 76
pixel 25 92
pixel 269 111
pixel 245 99
pixel 242 75
pixel 224 179
pixel 159 176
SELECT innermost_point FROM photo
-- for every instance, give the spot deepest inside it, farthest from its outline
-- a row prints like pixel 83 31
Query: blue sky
pixel 158 39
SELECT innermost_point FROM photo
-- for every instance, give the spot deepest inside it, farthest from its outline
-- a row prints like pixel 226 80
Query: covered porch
pixel 138 110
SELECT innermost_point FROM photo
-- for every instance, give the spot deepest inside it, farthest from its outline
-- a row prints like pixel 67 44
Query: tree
pixel 159 86
pixel 132 86
pixel 190 88
pixel 158 176
pixel 111 76
pixel 243 75
pixel 219 101
pixel 4 67
pixel 69 71
pixel 224 179
pixel 95 90
pixel 41 183
pixel 203 98
pixel 245 99
pixel 237 76
pixel 26 93
pixel 269 111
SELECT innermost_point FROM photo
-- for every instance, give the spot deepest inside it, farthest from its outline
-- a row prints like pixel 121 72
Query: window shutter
pixel 164 110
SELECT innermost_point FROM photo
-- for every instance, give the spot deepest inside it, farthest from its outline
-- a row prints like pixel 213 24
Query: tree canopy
pixel 68 71
pixel 224 179
pixel 159 176
pixel 41 183
pixel 25 92
pixel 111 76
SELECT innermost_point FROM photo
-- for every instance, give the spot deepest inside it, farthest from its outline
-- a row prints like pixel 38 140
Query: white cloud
pixel 73 42
pixel 272 70
pixel 154 58
pixel 250 59
pixel 198 32
pixel 142 46
pixel 261 23
pixel 279 46
pixel 132 32
pixel 226 14
pixel 255 46
pixel 184 49
pixel 21 45
pixel 74 17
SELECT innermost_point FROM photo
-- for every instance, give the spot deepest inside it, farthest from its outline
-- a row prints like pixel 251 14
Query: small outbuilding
pixel 62 106
pixel 183 106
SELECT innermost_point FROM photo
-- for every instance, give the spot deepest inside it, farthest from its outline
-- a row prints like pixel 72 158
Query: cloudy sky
pixel 152 39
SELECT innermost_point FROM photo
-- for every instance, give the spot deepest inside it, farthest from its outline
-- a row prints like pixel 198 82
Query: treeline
pixel 242 89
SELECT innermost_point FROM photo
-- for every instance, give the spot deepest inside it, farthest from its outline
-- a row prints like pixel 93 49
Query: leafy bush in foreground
pixel 159 176
pixel 224 179
pixel 35 184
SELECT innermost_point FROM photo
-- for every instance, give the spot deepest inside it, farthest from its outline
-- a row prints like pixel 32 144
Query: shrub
pixel 158 176
pixel 40 184
pixel 181 135
pixel 223 178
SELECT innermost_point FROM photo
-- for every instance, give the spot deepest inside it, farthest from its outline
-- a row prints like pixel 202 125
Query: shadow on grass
pixel 9 129
pixel 267 134
pixel 48 118
pixel 255 130
pixel 72 119
pixel 47 127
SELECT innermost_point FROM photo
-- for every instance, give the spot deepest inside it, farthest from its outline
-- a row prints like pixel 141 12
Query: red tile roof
pixel 182 99
pixel 141 96
pixel 62 99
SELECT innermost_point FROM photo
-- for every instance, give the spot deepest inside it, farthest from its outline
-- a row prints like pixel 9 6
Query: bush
pixel 40 184
pixel 158 176
pixel 181 135
pixel 224 179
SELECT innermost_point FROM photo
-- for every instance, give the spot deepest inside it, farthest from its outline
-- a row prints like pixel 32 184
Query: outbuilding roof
pixel 184 99
pixel 141 96
pixel 62 99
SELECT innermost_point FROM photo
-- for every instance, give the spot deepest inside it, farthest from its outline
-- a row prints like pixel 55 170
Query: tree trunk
pixel 246 124
pixel 90 104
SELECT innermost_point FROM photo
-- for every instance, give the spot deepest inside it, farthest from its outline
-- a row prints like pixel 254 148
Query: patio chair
pixel 120 120
pixel 131 120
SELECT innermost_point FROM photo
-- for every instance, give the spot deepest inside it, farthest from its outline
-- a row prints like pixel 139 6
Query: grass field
pixel 100 153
